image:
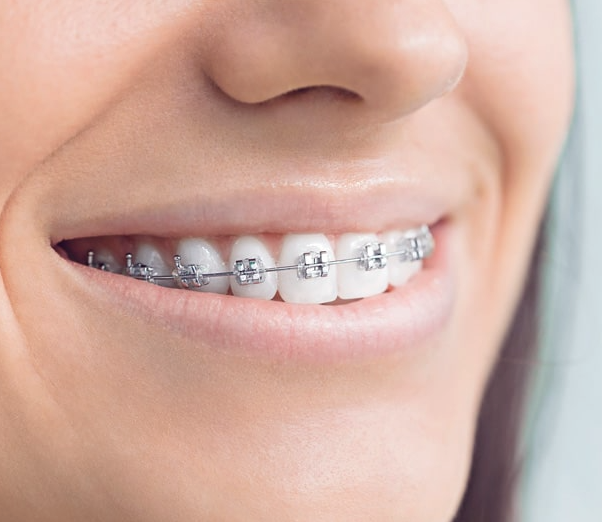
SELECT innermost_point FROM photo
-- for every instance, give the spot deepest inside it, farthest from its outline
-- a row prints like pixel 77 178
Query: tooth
pixel 399 272
pixel 248 247
pixel 291 287
pixel 147 253
pixel 354 281
pixel 196 251
pixel 104 255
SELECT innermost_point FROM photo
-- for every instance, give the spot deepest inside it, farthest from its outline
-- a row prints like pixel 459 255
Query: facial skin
pixel 109 414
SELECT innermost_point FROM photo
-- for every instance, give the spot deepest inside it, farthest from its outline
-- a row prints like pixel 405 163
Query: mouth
pixel 390 302
pixel 260 285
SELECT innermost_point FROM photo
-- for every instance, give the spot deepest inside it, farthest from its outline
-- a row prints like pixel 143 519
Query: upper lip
pixel 370 205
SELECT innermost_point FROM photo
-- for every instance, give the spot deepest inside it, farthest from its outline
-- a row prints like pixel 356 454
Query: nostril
pixel 325 92
pixel 309 93
pixel 320 94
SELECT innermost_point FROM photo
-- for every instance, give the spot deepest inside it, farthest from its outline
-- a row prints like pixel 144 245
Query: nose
pixel 393 55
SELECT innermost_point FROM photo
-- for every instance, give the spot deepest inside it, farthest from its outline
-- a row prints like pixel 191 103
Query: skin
pixel 104 416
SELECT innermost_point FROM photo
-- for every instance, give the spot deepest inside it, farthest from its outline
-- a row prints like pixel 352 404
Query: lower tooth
pixel 248 247
pixel 354 281
pixel 400 272
pixel 195 251
pixel 291 286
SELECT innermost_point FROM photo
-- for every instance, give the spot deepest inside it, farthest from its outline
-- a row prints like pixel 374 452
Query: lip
pixel 328 207
pixel 397 321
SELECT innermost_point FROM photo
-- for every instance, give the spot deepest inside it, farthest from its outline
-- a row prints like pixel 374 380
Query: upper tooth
pixel 196 251
pixel 399 271
pixel 354 281
pixel 292 286
pixel 307 272
pixel 249 247
pixel 104 256
pixel 148 254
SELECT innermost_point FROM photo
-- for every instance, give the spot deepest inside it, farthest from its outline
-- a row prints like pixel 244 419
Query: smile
pixel 277 274
pixel 308 270
pixel 395 321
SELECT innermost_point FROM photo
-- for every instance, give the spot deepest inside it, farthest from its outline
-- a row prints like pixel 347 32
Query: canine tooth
pixel 354 281
pixel 291 286
pixel 148 254
pixel 197 251
pixel 249 247
pixel 399 272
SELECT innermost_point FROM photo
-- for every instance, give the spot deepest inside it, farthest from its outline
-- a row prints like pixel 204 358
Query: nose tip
pixel 394 55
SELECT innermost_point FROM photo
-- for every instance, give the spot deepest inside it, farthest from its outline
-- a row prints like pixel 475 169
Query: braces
pixel 415 245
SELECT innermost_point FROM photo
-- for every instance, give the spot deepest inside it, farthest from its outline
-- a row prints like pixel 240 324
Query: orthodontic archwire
pixel 414 245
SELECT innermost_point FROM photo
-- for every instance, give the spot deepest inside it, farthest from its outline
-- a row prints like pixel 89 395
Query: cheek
pixel 520 86
pixel 62 63
pixel 518 89
pixel 520 77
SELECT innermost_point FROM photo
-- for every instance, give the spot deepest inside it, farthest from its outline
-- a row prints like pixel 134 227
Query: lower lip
pixel 397 321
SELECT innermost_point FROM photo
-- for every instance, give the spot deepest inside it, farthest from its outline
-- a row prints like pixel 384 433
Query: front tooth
pixel 148 254
pixel 248 247
pixel 196 251
pixel 294 289
pixel 400 272
pixel 354 281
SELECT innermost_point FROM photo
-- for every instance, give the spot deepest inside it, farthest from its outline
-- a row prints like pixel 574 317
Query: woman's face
pixel 127 126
